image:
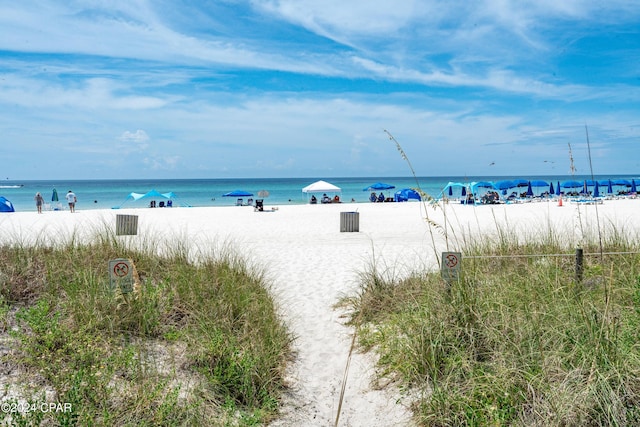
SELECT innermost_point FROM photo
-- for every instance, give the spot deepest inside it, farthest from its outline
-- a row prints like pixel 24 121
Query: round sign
pixel 121 269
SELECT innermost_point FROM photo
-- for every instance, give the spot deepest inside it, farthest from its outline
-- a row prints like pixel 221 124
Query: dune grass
pixel 196 344
pixel 514 341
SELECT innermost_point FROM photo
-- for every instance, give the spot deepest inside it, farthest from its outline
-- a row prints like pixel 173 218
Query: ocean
pixel 109 194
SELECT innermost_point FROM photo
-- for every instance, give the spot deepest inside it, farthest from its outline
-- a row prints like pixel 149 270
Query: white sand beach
pixel 311 265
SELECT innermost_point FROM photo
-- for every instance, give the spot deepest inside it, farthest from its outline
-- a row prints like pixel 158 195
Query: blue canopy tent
pixel 153 194
pixel 406 194
pixel 451 185
pixel 474 186
pixel 238 193
pixel 6 205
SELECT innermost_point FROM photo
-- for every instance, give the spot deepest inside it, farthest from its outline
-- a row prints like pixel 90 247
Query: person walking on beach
pixel 39 201
pixel 71 199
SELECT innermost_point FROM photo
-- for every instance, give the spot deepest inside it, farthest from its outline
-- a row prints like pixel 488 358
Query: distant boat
pixel 12 186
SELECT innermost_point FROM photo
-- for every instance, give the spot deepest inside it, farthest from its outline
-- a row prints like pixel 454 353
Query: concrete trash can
pixel 349 221
pixel 126 225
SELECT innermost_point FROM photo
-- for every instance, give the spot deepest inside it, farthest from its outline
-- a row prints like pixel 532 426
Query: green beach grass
pixel 516 340
pixel 198 343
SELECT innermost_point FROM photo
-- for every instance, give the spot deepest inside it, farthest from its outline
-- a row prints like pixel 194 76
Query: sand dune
pixel 311 265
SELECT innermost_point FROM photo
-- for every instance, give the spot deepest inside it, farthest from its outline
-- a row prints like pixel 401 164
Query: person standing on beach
pixel 71 199
pixel 39 201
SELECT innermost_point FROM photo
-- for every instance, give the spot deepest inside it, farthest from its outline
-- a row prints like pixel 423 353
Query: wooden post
pixel 579 264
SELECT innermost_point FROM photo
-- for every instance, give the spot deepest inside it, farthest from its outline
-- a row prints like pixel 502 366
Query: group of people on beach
pixel 70 196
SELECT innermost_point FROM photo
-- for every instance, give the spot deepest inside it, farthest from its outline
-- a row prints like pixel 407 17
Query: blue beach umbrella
pixel 504 185
pixel 238 193
pixel 379 186
pixel 596 190
pixel 572 184
pixel 622 182
pixel 539 183
pixel 558 191
pixel 610 187
pixel 551 189
pixel 633 186
pixel 529 190
pixel 54 195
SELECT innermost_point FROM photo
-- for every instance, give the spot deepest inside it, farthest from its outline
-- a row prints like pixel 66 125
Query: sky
pixel 314 88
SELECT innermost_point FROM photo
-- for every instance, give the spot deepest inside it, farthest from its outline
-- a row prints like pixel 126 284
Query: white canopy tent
pixel 321 187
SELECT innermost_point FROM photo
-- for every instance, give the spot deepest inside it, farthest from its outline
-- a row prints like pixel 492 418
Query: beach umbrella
pixel 572 184
pixel 539 183
pixel 379 186
pixel 610 187
pixel 450 191
pixel 505 185
pixel 633 186
pixel 464 191
pixel 263 193
pixel 529 190
pixel 54 195
pixel 596 190
pixel 558 191
pixel 238 193
pixel 622 182
pixel 551 189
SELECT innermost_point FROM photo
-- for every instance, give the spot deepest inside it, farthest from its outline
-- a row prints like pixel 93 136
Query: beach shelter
pixel 6 205
pixel 481 184
pixel 321 187
pixel 406 194
pixel 151 194
pixel 451 185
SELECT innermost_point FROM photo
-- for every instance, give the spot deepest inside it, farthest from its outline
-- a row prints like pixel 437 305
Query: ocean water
pixel 108 194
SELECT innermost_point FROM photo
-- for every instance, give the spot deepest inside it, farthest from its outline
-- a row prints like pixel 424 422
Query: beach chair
pixel 161 204
pixel 259 206
pixel 239 202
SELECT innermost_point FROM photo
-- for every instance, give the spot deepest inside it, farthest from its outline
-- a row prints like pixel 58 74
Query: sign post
pixel 450 266
pixel 121 274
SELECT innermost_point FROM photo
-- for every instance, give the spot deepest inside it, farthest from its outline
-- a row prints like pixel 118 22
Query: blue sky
pixel 303 88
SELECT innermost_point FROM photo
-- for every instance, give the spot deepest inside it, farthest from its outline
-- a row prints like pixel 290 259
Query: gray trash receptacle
pixel 349 221
pixel 126 225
